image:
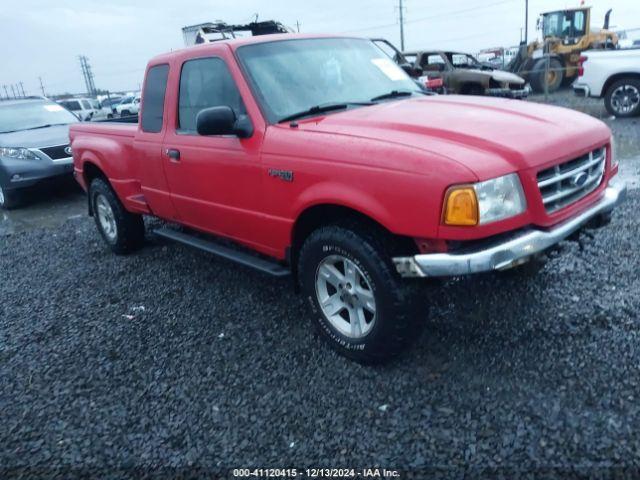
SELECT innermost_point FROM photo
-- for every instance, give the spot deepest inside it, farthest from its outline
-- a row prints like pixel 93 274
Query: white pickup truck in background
pixel 614 75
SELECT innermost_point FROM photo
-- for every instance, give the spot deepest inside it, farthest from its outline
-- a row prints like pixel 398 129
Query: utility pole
pixel 526 22
pixel 87 74
pixel 401 8
pixel 42 87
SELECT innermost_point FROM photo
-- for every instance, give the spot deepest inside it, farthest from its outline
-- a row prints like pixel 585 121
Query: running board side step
pixel 243 258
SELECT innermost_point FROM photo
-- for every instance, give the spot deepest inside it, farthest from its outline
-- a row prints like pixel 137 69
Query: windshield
pixel 32 114
pixel 294 75
pixel 564 24
pixel 73 105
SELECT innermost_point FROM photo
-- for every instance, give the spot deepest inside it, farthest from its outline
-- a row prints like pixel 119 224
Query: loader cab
pixel 568 25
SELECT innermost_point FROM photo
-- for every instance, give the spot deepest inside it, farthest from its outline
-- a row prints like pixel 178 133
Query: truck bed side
pixel 109 147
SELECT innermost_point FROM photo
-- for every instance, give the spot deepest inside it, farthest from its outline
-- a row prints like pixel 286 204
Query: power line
pixel 431 17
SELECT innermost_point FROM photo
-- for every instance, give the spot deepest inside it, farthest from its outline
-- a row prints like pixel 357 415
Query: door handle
pixel 173 154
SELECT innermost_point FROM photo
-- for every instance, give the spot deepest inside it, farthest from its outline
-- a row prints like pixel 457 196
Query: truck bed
pixel 115 128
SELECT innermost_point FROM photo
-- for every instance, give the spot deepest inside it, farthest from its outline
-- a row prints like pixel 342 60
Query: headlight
pixel 484 202
pixel 18 153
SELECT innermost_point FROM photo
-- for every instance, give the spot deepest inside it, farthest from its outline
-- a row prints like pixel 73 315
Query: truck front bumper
pixel 504 254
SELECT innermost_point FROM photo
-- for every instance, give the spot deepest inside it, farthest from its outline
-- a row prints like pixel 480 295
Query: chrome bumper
pixel 509 253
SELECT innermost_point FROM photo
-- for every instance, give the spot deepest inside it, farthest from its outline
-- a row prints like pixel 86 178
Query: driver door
pixel 214 180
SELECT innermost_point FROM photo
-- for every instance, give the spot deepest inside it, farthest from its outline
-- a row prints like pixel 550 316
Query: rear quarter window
pixel 155 87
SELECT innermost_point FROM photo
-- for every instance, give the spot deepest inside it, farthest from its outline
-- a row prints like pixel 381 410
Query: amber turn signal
pixel 461 207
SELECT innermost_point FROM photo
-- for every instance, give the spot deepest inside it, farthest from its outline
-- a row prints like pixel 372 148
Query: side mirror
pixel 222 121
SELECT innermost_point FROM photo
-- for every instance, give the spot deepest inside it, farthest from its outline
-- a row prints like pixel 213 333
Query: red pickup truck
pixel 318 157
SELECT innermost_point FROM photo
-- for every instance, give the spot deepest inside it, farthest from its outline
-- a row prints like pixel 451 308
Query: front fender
pixel 343 195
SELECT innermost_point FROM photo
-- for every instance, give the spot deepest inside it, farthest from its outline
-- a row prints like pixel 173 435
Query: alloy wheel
pixel 345 296
pixel 106 217
pixel 625 99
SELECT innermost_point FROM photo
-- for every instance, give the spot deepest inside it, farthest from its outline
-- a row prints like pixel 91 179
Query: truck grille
pixel 55 153
pixel 570 181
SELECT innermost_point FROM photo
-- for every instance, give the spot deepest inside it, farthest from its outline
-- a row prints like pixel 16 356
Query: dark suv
pixel 34 145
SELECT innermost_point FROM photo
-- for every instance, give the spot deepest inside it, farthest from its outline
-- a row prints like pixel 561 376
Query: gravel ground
pixel 173 363
pixel 114 367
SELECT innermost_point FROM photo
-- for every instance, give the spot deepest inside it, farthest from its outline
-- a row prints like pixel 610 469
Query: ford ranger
pixel 318 157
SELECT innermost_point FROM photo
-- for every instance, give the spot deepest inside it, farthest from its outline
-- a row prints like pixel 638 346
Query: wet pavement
pixel 46 208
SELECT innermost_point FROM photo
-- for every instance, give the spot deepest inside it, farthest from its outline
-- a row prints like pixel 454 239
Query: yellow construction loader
pixel 554 60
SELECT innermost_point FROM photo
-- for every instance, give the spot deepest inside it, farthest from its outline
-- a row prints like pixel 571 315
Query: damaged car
pixel 462 74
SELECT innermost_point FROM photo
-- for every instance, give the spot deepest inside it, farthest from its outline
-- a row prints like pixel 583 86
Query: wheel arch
pixel 91 170
pixel 322 214
pixel 615 77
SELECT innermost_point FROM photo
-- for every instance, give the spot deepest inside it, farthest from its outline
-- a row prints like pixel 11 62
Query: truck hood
pixel 37 138
pixel 485 134
pixel 498 75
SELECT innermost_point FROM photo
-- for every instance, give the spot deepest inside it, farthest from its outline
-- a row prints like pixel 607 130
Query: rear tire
pixel 122 231
pixel 622 98
pixel 125 113
pixel 347 270
pixel 10 199
pixel 556 76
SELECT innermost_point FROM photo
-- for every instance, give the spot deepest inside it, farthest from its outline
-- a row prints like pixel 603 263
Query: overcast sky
pixel 44 38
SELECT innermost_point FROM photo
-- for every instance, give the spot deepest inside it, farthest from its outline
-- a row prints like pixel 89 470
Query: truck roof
pixel 235 43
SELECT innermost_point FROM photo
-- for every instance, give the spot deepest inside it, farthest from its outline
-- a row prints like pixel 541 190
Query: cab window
pixel 155 86
pixel 204 83
pixel 433 63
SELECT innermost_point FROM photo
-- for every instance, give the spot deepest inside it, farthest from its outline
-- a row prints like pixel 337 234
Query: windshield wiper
pixel 45 126
pixel 321 109
pixel 394 94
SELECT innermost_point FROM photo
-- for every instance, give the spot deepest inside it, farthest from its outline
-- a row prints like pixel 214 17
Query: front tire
pixel 623 98
pixel 553 79
pixel 122 231
pixel 360 305
pixel 9 199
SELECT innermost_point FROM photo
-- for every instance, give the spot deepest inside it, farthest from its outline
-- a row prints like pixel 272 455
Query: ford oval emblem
pixel 68 150
pixel 579 179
